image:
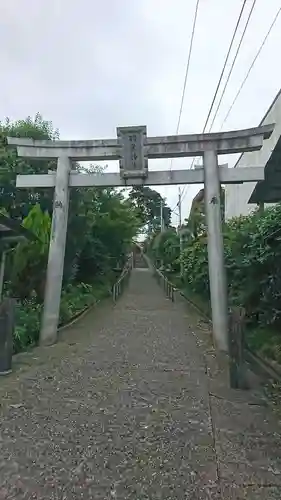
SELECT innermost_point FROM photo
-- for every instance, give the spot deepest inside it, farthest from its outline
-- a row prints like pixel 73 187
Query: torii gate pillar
pixel 51 311
pixel 217 274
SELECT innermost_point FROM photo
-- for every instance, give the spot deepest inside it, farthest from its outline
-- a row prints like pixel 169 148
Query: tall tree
pixel 18 202
pixel 147 201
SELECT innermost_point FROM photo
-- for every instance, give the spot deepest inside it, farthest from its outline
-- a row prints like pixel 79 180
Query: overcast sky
pixel 91 65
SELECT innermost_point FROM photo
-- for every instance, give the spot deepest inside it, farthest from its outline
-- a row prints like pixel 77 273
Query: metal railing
pixel 167 286
pixel 122 281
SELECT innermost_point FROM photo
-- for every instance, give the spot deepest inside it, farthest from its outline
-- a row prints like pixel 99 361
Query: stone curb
pixel 78 316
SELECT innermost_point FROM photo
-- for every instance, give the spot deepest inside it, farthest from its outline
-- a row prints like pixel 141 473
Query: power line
pixel 186 75
pixel 187 70
pixel 219 81
pixel 233 63
pixel 251 66
pixel 225 63
pixel 187 65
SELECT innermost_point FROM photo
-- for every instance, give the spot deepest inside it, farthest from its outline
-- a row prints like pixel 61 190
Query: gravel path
pixel 132 405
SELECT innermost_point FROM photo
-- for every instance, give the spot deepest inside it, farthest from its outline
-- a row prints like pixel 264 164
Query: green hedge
pixel 253 260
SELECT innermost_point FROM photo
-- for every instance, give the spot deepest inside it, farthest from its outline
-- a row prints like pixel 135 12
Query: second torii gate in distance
pixel 133 149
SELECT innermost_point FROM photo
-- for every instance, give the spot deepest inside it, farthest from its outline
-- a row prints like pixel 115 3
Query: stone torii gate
pixel 133 149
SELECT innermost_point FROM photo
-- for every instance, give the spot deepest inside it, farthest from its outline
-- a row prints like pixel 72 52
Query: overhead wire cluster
pixel 185 189
pixel 188 64
pixel 185 76
pixel 251 66
pixel 185 79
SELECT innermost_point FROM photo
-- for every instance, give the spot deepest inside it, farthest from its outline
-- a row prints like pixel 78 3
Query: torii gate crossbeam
pixel 133 149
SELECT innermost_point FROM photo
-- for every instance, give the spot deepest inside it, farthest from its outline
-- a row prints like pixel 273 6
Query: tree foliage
pixel 164 248
pixel 30 257
pixel 253 261
pixel 196 222
pixel 18 202
pixel 147 202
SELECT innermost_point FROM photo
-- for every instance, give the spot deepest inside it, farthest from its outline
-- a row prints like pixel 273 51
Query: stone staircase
pixel 140 262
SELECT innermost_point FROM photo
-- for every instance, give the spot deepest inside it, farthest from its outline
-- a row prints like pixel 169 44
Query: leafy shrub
pixel 27 324
pixel 74 299
pixel 30 257
pixel 164 248
pixel 253 261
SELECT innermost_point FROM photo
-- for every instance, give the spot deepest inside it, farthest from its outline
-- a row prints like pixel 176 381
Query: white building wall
pixel 237 195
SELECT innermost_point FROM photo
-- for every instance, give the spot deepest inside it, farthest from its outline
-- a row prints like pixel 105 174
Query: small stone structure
pixel 11 231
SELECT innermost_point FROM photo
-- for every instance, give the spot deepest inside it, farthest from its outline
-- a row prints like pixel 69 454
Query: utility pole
pixel 161 215
pixel 179 204
pixel 180 232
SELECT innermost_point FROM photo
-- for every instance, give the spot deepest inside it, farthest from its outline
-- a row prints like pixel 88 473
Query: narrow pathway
pixel 131 405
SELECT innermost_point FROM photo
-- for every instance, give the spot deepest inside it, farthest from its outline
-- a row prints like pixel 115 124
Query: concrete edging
pixel 257 363
pixel 78 316
pixel 88 309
